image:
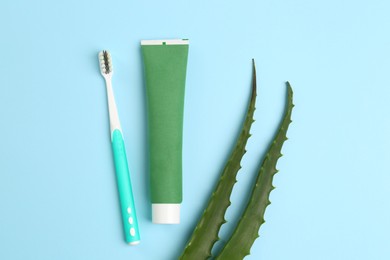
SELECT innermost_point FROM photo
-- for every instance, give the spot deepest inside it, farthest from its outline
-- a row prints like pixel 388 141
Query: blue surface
pixel 58 196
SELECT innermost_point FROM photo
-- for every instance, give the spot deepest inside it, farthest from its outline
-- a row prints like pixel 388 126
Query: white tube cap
pixel 166 213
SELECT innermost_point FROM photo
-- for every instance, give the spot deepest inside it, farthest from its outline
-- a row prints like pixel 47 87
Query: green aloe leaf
pixel 206 232
pixel 248 227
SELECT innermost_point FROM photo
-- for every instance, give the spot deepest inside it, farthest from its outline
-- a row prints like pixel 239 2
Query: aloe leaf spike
pixel 206 232
pixel 246 232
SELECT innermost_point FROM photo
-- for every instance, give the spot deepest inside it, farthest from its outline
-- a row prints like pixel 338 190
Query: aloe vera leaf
pixel 247 229
pixel 206 232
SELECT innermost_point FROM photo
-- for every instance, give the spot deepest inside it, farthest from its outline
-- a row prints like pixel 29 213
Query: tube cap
pixel 166 213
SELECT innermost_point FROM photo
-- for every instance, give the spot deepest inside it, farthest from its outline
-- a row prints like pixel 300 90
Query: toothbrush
pixel 129 217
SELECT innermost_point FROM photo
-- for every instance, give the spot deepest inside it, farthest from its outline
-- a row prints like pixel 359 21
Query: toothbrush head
pixel 105 63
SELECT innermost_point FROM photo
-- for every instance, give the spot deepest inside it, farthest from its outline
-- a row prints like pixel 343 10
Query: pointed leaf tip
pixel 254 81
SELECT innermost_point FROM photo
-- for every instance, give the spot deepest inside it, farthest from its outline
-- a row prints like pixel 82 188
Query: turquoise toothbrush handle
pixel 129 217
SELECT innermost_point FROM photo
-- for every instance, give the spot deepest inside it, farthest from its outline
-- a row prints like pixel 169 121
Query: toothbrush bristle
pixel 105 62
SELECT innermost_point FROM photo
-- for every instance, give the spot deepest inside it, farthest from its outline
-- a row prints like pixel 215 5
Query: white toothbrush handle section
pixel 113 111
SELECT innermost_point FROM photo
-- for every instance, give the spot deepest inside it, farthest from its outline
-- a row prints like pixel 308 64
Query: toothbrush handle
pixel 129 217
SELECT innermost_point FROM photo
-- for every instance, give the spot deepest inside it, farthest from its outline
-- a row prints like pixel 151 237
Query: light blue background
pixel 58 196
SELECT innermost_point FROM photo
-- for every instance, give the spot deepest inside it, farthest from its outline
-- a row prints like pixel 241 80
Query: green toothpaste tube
pixel 165 64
